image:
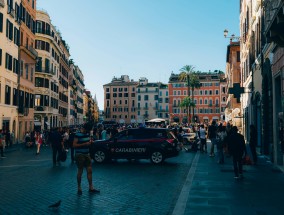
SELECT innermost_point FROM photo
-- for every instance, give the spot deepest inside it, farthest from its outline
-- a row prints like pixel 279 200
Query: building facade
pixel 233 77
pixel 9 64
pixel 273 80
pixel 47 73
pixel 28 56
pixel 120 100
pixel 209 102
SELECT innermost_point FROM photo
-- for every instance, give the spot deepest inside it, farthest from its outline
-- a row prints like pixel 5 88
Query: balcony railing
pixel 33 51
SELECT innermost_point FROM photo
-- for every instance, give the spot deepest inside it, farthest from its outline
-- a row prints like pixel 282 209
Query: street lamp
pixel 232 37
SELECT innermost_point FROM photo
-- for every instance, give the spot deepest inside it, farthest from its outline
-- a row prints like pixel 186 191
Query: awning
pixel 205 117
pixel 47 123
pixel 37 123
pixel 215 117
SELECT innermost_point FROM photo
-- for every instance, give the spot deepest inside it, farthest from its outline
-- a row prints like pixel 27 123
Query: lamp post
pixel 232 37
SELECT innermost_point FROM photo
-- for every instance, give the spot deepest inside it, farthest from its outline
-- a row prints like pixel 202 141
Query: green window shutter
pixel 1 22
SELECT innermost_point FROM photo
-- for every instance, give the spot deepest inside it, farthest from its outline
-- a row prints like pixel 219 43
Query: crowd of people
pixel 225 140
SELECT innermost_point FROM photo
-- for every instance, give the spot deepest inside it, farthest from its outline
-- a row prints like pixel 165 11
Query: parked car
pixel 189 138
pixel 155 144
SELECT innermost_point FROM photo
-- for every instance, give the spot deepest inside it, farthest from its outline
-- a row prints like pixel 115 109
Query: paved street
pixel 192 183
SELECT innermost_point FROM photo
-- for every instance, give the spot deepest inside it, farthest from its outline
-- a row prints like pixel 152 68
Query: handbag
pixel 246 160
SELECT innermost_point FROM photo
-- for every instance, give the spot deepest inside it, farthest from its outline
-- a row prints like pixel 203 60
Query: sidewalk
pixel 213 189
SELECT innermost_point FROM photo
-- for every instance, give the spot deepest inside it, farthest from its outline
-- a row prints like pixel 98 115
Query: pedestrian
pixel 220 137
pixel 202 137
pixel 253 142
pixel 104 133
pixel 82 144
pixel 12 137
pixel 70 141
pixel 8 138
pixel 38 141
pixel 57 146
pixel 212 131
pixel 2 144
pixel 237 148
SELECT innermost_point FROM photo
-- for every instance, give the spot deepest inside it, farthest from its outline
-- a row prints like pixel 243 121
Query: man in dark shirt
pixel 237 148
pixel 56 141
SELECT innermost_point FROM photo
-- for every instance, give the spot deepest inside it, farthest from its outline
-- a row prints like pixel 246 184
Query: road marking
pixel 183 196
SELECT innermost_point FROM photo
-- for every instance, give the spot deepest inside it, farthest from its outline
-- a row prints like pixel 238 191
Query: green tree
pixel 194 83
pixel 191 77
pixel 187 103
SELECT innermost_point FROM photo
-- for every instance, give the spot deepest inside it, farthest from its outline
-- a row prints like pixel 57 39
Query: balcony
pixel 43 109
pixel 33 51
pixel 2 3
pixel 11 11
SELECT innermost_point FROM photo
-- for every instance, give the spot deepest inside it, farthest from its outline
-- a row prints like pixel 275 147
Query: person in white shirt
pixel 202 136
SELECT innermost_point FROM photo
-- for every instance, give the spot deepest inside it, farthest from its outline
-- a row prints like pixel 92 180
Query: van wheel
pixel 157 157
pixel 100 156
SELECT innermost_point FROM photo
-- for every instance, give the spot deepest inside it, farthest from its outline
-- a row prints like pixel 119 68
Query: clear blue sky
pixel 143 38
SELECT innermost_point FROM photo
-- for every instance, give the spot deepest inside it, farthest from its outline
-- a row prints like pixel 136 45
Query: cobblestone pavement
pixel 190 184
pixel 29 184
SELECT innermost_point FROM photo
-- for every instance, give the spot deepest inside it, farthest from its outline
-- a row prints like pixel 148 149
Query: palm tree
pixel 187 103
pixel 194 84
pixel 185 74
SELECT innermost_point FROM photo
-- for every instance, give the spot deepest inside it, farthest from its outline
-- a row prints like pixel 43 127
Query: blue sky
pixel 143 38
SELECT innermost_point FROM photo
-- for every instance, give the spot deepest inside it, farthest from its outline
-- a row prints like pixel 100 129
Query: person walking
pixel 70 141
pixel 202 137
pixel 253 142
pixel 81 144
pixel 212 131
pixel 237 148
pixel 2 144
pixel 220 137
pixel 38 141
pixel 57 146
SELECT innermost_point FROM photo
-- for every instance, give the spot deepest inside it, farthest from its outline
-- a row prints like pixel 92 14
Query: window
pixel 8 95
pixel 9 30
pixel 0 57
pixel 217 92
pixel 200 101
pixel 9 62
pixel 146 97
pixel 16 36
pixel 16 66
pixel 32 74
pixel 238 56
pixel 1 22
pixel 27 71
